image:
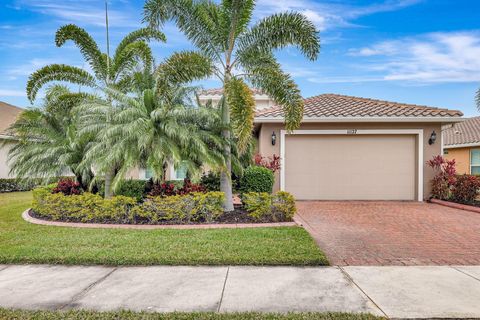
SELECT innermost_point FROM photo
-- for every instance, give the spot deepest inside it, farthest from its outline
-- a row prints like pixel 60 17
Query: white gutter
pixel 462 145
pixel 363 119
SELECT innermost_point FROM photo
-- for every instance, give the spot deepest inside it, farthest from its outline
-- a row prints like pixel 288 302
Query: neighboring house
pixel 350 148
pixel 462 143
pixel 8 115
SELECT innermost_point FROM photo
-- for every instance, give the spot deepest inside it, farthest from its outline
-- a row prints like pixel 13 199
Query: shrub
pixel 68 187
pixel 132 188
pixel 169 189
pixel 210 181
pixel 14 184
pixel 88 207
pixel 445 177
pixel 257 179
pixel 466 189
pixel 271 163
pixel 263 206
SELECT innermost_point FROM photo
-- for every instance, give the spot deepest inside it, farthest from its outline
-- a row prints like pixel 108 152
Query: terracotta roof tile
pixel 335 105
pixel 464 132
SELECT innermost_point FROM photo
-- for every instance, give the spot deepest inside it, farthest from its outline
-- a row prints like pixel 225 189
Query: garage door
pixel 350 167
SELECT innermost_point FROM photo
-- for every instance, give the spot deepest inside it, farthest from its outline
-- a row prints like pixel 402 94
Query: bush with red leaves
pixel 445 177
pixel 166 189
pixel 271 163
pixel 466 189
pixel 68 187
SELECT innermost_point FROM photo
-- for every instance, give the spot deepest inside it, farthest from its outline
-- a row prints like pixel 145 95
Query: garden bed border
pixel 27 217
pixel 455 205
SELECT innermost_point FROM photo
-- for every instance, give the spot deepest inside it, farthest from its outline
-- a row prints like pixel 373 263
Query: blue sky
pixel 415 51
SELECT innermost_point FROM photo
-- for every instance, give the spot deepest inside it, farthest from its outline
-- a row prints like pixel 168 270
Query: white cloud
pixel 83 12
pixel 329 15
pixel 12 93
pixel 436 57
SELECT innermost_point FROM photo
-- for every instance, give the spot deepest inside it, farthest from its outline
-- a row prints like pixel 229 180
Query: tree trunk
pixel 109 176
pixel 226 175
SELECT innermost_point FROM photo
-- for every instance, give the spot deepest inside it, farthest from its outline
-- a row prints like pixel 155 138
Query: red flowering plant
pixel 68 187
pixel 271 163
pixel 445 177
pixel 166 189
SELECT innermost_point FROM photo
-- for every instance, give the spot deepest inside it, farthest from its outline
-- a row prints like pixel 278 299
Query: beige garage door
pixel 350 167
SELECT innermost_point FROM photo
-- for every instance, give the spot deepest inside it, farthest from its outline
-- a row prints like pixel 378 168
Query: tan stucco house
pixel 351 148
pixel 462 143
pixel 8 115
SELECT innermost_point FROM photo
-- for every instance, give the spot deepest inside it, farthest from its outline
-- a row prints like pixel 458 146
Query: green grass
pixel 23 242
pixel 127 315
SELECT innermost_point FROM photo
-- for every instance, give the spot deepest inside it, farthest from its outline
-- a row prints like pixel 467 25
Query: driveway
pixel 392 233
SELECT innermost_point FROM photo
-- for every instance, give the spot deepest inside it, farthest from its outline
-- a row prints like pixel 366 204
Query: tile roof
pixel 219 91
pixel 8 115
pixel 338 106
pixel 465 132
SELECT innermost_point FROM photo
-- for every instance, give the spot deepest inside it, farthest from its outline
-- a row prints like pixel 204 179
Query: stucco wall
pixel 4 168
pixel 462 159
pixel 266 148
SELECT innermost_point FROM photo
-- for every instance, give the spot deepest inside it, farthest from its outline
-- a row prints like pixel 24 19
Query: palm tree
pixel 48 143
pixel 107 71
pixel 157 127
pixel 241 54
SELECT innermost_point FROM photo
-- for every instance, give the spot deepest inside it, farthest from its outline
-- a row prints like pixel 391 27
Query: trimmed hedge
pixel 88 207
pixel 263 206
pixel 132 188
pixel 257 179
pixel 14 184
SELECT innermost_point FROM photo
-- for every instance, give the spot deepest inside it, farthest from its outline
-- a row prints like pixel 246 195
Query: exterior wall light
pixel 274 138
pixel 433 138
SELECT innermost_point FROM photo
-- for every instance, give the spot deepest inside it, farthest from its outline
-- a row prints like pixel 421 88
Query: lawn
pixel 127 315
pixel 22 242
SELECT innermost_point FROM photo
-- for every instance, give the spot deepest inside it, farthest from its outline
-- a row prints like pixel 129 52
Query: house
pixel 462 143
pixel 8 115
pixel 350 148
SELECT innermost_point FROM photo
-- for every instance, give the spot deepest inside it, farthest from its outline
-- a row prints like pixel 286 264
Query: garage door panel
pixel 344 167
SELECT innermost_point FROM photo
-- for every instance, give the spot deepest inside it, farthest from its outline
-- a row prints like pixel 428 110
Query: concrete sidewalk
pixel 398 292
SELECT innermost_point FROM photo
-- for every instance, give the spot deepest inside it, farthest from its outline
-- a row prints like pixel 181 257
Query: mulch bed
pixel 238 216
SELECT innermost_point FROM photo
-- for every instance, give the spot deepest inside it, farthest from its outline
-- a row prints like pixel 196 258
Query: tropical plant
pixel 49 145
pixel 158 127
pixel 114 72
pixel 241 53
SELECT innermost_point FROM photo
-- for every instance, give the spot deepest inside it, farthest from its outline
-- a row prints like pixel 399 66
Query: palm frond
pixel 57 72
pixel 88 47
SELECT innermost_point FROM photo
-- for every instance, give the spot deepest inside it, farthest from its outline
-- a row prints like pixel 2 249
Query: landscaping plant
pixel 465 189
pixel 271 163
pixel 444 179
pixel 263 206
pixel 257 179
pixel 68 187
pixel 241 53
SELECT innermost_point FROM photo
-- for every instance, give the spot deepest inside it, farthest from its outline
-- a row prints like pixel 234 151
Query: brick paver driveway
pixel 392 233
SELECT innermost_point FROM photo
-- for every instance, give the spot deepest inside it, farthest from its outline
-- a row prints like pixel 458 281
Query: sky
pixel 424 52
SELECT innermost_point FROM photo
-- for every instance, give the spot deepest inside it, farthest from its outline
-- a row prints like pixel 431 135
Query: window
pixel 475 161
pixel 180 171
pixel 148 173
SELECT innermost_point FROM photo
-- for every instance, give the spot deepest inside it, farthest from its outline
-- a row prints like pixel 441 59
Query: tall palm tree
pixel 106 71
pixel 48 143
pixel 241 53
pixel 156 127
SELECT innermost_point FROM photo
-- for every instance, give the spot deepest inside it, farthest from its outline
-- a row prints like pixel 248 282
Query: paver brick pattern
pixel 392 232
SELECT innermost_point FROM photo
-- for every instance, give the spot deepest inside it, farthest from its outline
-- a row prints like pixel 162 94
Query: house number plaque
pixel 352 131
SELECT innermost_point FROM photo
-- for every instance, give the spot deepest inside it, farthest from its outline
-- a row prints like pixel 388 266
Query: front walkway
pixel 392 232
pixel 399 292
